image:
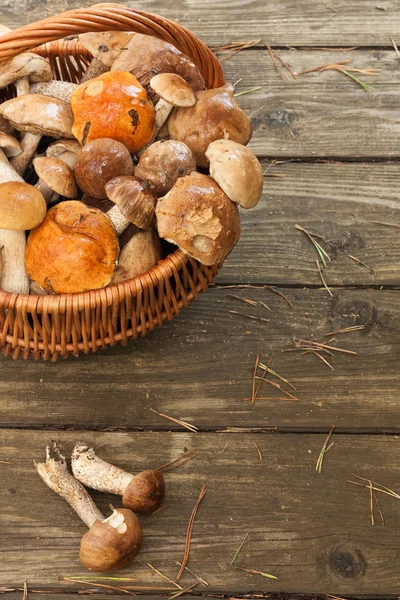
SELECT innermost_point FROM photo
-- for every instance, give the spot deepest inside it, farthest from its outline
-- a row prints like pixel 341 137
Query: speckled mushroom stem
pixel 118 220
pixel 57 477
pixel 96 473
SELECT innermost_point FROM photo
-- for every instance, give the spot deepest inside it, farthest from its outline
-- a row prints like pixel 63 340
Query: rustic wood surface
pixel 330 152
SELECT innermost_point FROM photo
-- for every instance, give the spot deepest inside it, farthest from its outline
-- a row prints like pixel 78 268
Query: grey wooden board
pixel 311 530
pixel 286 22
pixel 199 368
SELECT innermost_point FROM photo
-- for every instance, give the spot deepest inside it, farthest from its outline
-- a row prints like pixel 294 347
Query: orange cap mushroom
pixel 116 106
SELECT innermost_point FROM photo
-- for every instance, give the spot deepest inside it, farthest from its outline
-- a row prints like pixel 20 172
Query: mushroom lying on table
pixel 55 179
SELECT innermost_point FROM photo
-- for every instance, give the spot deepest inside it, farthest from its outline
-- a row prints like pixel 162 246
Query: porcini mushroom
pixel 198 216
pixel 163 162
pixel 134 203
pixel 75 249
pixel 10 145
pixel 66 150
pixel 140 254
pixel 110 543
pixel 237 171
pixel 105 46
pixel 141 493
pixel 214 116
pixel 173 90
pixel 115 106
pixel 55 178
pixel 22 69
pixel 99 161
pixel 146 56
pixel 62 90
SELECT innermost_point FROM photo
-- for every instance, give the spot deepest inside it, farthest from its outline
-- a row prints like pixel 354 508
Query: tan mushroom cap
pixel 237 171
pixel 22 206
pixel 42 115
pixel 26 64
pixel 214 116
pixel 105 45
pixel 9 144
pixel 173 89
pixel 139 255
pixel 57 175
pixel 135 200
pixel 198 216
pixel 60 146
pixel 163 162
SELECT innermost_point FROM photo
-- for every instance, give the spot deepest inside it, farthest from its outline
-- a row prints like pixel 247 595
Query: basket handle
pixel 108 17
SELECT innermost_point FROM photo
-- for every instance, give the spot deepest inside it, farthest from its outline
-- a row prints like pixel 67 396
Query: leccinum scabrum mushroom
pixel 110 543
pixel 143 492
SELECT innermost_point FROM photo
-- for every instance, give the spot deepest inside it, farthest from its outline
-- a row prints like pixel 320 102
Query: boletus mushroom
pixel 66 150
pixel 198 216
pixel 172 90
pixel 134 203
pixel 237 171
pixel 105 46
pixel 140 254
pixel 110 544
pixel 75 249
pixel 116 106
pixel 141 493
pixel 214 116
pixel 55 178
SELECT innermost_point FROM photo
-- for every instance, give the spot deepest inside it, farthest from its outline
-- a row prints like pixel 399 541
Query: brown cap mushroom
pixel 140 254
pixel 198 216
pixel 22 206
pixel 134 200
pixel 141 493
pixel 55 177
pixel 173 91
pixel 28 67
pixel 105 46
pixel 163 162
pixel 42 115
pixel 214 116
pixel 66 150
pixel 10 145
pixel 75 249
pixel 99 161
pixel 146 56
pixel 110 543
pixel 237 171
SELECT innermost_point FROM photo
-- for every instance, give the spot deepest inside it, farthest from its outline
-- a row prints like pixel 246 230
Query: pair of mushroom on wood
pixel 111 543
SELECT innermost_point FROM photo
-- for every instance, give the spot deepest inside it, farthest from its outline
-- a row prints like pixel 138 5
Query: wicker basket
pixel 52 326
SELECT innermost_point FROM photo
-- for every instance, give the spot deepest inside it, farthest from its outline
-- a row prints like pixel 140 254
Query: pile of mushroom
pixel 95 175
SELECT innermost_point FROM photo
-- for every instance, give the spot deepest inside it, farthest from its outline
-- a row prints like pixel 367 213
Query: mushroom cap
pixel 113 105
pixel 74 250
pixel 105 45
pixel 55 88
pixel 99 161
pixel 163 162
pixel 57 175
pixel 237 171
pixel 39 114
pixel 58 147
pixel 135 200
pixel 145 492
pixel 26 64
pixel 10 145
pixel 198 216
pixel 147 56
pixel 214 116
pixel 111 544
pixel 140 254
pixel 173 89
pixel 22 206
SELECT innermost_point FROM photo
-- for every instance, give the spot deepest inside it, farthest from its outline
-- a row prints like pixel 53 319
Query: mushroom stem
pixel 96 473
pixel 48 194
pixel 162 111
pixel 56 476
pixel 118 220
pixel 22 86
pixel 95 69
pixel 29 144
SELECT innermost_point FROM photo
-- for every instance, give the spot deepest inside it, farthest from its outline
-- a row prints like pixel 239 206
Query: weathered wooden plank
pixel 311 530
pixel 285 22
pixel 199 368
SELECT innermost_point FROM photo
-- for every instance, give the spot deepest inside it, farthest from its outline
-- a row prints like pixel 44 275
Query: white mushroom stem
pixel 48 194
pixel 12 243
pixel 118 220
pixel 96 473
pixel 22 86
pixel 56 476
pixel 162 111
pixel 69 158
pixel 29 144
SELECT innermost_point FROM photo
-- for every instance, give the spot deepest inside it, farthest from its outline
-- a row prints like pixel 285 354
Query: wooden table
pixel 331 156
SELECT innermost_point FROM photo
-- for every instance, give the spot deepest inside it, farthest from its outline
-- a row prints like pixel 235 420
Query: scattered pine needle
pixel 188 589
pixel 159 573
pixel 189 426
pixel 253 317
pixel 320 357
pixel 305 345
pixel 386 224
pixel 239 549
pixel 273 289
pixel 263 375
pixel 365 86
pixel 225 447
pixel 322 278
pixel 253 388
pixel 254 572
pixel 371 503
pixel 275 374
pixel 395 47
pixel 324 450
pixel 174 464
pixel 381 488
pixel 285 64
pixel 236 47
pixel 6 462
pixel 203 492
pixel 25 593
pixel 272 55
pixel 255 89
pixel 348 71
pixel 378 507
pixel 259 453
pixel 97 578
pixel 160 508
pixel 193 574
pixel 96 584
pixel 360 262
pixel 249 301
pixel 345 330
pixel 278 387
pixel 311 236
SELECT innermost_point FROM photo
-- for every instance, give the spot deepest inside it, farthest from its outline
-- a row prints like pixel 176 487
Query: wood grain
pixel 284 22
pixel 199 368
pixel 311 531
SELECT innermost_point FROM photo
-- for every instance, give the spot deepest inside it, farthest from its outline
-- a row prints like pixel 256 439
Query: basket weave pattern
pixel 54 326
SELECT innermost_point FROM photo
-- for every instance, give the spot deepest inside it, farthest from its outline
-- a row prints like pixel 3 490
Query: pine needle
pixel 323 279
pixel 324 450
pixel 386 224
pixel 96 584
pixel 273 289
pixel 189 531
pixel 365 86
pixel 360 262
pixel 268 369
pixel 278 387
pixel 346 330
pixel 6 462
pixel 98 578
pixel 272 55
pixel 178 462
pixel 25 593
pixel 225 447
pixel 253 317
pixel 259 453
pixel 371 503
pixel 159 573
pixel 321 252
pixel 249 301
pixel 306 345
pixel 395 47
pixel 254 572
pixel 253 388
pixel 320 357
pixel 159 508
pixel 193 574
pixel 255 89
pixel 382 488
pixel 239 549
pixel 192 428
pixel 188 589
